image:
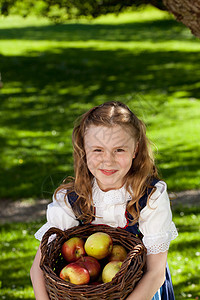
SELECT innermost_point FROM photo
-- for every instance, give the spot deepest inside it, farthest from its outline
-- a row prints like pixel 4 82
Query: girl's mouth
pixel 108 172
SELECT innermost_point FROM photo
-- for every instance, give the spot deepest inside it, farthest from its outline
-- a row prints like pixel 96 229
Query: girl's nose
pixel 108 157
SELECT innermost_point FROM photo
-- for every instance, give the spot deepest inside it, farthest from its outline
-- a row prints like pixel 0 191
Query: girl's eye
pixel 120 150
pixel 97 150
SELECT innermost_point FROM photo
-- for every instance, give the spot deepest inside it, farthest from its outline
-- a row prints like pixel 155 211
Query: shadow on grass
pixel 183 245
pixel 45 91
pixel 158 30
pixel 186 164
pixel 186 211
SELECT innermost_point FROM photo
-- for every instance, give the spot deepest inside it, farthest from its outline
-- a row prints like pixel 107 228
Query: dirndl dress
pixel 166 290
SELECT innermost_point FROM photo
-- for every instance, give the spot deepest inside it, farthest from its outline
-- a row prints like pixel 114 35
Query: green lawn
pixel 53 73
pixel 19 247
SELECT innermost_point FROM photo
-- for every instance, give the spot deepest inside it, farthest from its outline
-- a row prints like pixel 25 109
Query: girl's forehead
pixel 103 135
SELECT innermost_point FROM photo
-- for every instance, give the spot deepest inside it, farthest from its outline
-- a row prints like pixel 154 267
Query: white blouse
pixel 155 221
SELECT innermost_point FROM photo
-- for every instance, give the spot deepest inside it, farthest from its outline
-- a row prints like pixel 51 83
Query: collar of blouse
pixel 109 198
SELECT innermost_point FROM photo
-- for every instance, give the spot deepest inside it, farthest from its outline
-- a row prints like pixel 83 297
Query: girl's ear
pixel 136 150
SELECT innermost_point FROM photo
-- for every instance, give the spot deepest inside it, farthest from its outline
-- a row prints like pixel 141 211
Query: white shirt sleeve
pixel 155 222
pixel 59 214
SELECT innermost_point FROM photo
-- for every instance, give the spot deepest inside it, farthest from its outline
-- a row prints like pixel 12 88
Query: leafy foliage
pixel 65 9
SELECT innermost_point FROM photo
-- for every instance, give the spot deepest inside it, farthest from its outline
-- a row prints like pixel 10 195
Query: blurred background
pixel 59 60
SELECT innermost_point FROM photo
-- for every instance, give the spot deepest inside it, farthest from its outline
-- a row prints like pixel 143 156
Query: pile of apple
pixel 93 261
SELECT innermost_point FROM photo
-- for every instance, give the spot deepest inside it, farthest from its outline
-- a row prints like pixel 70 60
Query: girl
pixel 116 183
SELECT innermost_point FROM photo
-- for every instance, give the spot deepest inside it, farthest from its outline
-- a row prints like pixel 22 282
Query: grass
pixel 54 73
pixel 184 255
pixel 18 247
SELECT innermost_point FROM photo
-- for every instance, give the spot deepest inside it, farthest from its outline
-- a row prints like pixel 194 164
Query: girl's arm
pixel 153 278
pixel 37 278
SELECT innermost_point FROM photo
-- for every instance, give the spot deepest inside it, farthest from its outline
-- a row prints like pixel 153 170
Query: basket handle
pixel 138 250
pixel 45 241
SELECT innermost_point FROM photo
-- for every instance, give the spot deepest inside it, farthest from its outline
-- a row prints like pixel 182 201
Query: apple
pixel 73 249
pixel 110 270
pixel 99 245
pixel 75 274
pixel 118 253
pixel 91 264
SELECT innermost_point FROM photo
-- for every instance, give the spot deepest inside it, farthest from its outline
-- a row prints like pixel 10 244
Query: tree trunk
pixel 187 12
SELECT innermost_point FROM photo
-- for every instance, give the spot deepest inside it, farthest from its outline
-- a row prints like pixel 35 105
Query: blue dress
pixel 166 291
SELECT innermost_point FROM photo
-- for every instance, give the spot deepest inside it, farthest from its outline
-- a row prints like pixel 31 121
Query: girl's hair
pixel 142 170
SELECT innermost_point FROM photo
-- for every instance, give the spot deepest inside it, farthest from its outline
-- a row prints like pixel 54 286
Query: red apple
pixel 92 265
pixel 118 253
pixel 99 245
pixel 75 274
pixel 73 249
pixel 110 270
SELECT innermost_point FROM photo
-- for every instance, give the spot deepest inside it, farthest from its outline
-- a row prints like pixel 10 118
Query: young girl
pixel 116 183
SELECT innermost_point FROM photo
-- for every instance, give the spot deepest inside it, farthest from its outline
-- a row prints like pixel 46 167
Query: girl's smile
pixel 109 153
pixel 108 172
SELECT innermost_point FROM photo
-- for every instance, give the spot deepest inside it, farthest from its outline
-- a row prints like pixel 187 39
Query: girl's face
pixel 109 154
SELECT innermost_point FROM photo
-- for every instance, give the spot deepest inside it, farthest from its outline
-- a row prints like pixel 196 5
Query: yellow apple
pixel 110 270
pixel 99 245
pixel 118 253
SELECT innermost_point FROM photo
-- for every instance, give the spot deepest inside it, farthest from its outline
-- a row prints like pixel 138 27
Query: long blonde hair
pixel 138 178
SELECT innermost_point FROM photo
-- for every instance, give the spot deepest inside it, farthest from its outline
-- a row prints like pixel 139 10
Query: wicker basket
pixel 119 288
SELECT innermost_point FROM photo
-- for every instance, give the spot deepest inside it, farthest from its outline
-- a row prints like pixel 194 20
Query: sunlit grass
pixel 18 248
pixel 184 254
